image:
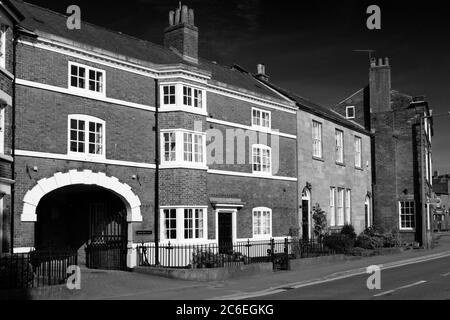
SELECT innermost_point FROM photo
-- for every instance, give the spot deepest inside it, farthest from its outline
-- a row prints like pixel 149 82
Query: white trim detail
pixel 56 156
pixel 260 236
pixel 257 129
pixel 167 72
pixel 86 94
pixel 251 99
pixel 250 175
pixel 23 249
pixel 85 177
pixel 233 223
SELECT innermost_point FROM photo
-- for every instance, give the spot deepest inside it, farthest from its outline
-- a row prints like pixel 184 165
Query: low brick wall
pixel 213 274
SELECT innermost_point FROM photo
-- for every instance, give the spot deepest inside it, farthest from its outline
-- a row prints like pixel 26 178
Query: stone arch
pixel 85 177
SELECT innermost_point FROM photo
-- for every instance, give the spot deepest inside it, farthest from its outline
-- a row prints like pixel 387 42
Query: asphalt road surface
pixel 419 281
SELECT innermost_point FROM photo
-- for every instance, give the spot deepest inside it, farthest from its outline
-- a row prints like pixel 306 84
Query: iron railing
pixel 35 269
pixel 216 255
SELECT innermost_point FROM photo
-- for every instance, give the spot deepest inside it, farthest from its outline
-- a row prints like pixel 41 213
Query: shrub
pixel 338 242
pixel 349 230
pixel 367 241
pixel 320 221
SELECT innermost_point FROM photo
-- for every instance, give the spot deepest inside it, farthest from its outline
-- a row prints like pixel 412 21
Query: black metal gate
pixel 107 245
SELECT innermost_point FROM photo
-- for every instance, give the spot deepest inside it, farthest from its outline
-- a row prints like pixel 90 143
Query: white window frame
pixel 180 224
pixel 87 119
pixel 164 222
pixel 317 139
pixel 179 104
pixel 169 95
pixel 340 212
pixel 339 148
pixel 413 214
pixel 346 112
pixel 358 153
pixel 261 148
pixel 348 206
pixel 3 29
pixel 263 224
pixel 179 160
pixel 259 117
pixel 332 206
pixel 86 89
pixel 2 130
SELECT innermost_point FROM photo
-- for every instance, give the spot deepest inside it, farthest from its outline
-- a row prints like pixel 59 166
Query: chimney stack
pixel 380 85
pixel 261 72
pixel 181 36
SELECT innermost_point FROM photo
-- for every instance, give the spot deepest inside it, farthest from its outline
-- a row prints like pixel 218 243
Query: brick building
pixel 441 211
pixel 9 17
pixel 239 158
pixel 334 167
pixel 402 128
pixel 86 141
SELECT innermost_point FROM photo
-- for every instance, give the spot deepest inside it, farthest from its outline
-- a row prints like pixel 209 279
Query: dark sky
pixel 307 46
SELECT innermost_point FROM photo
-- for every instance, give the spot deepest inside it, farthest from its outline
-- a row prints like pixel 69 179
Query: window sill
pixel 85 157
pixel 262 129
pixel 341 164
pixel 359 168
pixel 407 230
pixel 318 159
pixel 172 108
pixel 183 166
pixel 86 92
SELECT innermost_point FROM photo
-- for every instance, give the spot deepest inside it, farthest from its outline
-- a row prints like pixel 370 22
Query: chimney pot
pixel 177 16
pixel 184 14
pixel 191 17
pixel 261 72
pixel 182 35
pixel 171 18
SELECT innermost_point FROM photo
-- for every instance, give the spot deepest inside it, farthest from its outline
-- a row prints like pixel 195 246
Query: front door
pixel 305 219
pixel 225 232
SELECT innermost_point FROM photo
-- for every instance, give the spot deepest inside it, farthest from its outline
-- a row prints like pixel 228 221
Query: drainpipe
pixel 157 151
pixel 13 137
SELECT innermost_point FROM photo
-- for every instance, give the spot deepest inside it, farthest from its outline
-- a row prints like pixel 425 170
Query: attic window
pixel 350 112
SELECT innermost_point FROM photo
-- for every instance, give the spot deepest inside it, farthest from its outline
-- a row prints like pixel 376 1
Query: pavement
pixel 310 281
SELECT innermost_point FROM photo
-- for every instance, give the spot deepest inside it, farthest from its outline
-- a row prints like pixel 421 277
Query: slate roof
pixel 318 109
pixel 44 20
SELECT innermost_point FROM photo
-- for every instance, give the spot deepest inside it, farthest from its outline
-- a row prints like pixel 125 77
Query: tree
pixel 320 221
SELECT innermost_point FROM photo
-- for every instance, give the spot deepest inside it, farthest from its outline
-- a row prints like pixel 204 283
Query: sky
pixel 308 46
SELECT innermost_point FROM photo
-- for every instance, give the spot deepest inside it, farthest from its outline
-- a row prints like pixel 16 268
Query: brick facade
pixel 399 144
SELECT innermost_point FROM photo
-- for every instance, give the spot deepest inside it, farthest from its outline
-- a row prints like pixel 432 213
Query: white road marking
pixel 445 274
pixel 400 288
pixel 338 276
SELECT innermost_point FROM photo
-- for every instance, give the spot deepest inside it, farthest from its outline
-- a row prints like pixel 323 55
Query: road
pixel 420 281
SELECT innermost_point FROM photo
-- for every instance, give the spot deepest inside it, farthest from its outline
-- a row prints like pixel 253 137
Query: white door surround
pixel 233 212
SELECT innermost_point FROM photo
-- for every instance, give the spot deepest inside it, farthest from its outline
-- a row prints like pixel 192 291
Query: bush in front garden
pixel 366 241
pixel 338 242
pixel 349 230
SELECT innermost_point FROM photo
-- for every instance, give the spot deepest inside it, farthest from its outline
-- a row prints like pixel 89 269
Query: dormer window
pixel 350 112
pixel 86 78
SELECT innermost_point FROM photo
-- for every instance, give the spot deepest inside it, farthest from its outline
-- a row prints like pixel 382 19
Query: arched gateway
pixel 84 209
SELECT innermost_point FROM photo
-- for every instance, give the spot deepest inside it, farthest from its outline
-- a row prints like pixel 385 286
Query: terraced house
pixel 402 129
pixel 85 150
pixel 124 141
